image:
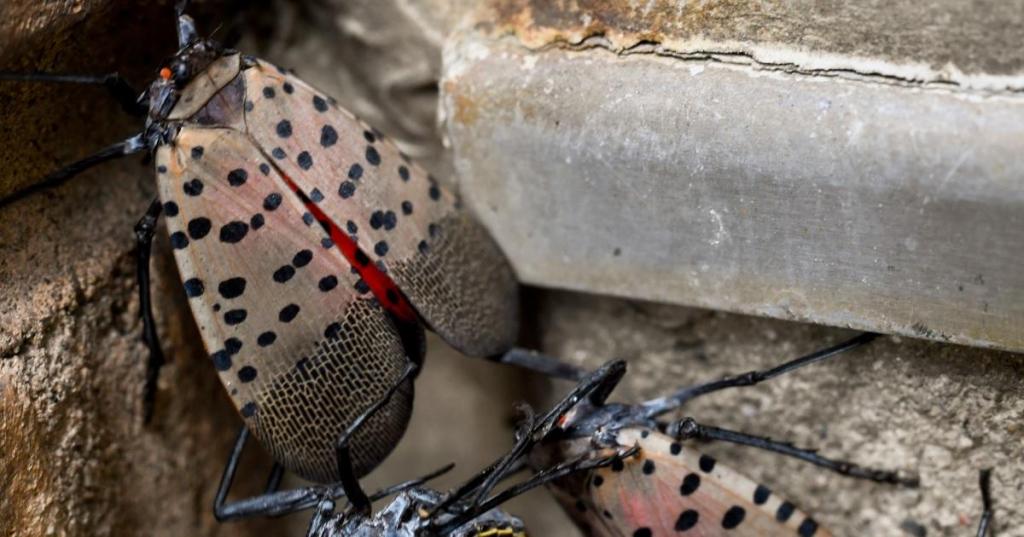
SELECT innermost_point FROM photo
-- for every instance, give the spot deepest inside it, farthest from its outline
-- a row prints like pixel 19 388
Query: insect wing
pixel 442 260
pixel 297 349
pixel 670 489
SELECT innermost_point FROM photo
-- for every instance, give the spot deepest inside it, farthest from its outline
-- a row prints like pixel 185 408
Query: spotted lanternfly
pixel 312 251
pixel 669 488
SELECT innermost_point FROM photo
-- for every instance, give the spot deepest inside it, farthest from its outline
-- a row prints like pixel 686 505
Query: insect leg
pixel 272 502
pixel 126 147
pixel 539 363
pixel 661 405
pixel 349 483
pixel 985 483
pixel 324 512
pixel 580 464
pixel 144 230
pixel 600 382
pixel 274 479
pixel 128 97
pixel 688 428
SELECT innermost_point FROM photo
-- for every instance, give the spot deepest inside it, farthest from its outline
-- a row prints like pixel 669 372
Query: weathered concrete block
pixel 849 164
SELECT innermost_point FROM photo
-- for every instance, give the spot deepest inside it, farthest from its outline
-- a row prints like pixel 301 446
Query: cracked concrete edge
pixel 685 30
pixel 474 112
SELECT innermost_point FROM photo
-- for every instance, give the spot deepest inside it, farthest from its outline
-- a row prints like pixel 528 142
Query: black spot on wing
pixel 284 273
pixel 235 317
pixel 302 258
pixel 233 232
pixel 807 528
pixel 266 339
pixel 784 511
pixel 194 287
pixel 733 517
pixel 237 177
pixel 319 103
pixel 305 160
pixel 288 313
pixel 687 520
pixel 690 484
pixel 284 128
pixel 193 187
pixel 372 156
pixel 272 201
pixel 178 240
pixel 761 494
pixel 248 410
pixel 328 136
pixel 231 287
pixel 199 227
pixel 221 360
pixel 247 374
pixel 328 283
pixel 233 345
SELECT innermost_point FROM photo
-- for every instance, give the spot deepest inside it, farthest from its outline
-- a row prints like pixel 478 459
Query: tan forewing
pixel 300 353
pixel 444 261
pixel 674 494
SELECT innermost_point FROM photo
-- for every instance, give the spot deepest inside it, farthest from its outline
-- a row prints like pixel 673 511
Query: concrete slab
pixel 640 154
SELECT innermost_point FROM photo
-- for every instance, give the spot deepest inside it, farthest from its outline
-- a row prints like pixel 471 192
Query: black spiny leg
pixel 277 503
pixel 687 428
pixel 540 363
pixel 662 405
pixel 985 483
pixel 132 145
pixel 595 387
pixel 349 482
pixel 144 231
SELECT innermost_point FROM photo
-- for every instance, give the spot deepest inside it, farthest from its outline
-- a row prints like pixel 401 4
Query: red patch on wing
pixel 382 286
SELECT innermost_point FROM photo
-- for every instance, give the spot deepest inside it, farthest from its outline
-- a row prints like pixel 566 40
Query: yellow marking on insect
pixel 501 532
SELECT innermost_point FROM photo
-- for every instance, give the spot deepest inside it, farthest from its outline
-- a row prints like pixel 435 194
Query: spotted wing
pixel 443 261
pixel 670 489
pixel 300 353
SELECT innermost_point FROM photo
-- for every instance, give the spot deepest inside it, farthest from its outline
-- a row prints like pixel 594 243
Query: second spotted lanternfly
pixel 669 488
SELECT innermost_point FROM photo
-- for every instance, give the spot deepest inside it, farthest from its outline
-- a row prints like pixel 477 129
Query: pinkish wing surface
pixel 670 489
pixel 443 261
pixel 297 349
